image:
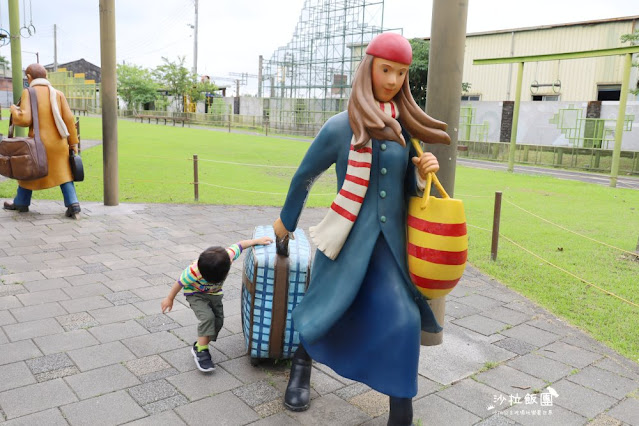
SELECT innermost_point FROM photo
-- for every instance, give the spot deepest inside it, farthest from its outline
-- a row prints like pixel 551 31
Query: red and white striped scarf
pixel 331 233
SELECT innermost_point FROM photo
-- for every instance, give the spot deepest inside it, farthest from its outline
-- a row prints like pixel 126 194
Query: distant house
pixel 91 72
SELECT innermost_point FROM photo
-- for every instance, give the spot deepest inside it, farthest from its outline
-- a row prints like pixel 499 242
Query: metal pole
pixel 108 94
pixel 195 41
pixel 196 189
pixel 513 132
pixel 259 77
pixel 55 47
pixel 616 153
pixel 496 220
pixel 16 56
pixel 446 64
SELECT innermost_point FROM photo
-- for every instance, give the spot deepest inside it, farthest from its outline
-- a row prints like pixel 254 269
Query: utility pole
pixel 259 78
pixel 16 56
pixel 108 94
pixel 55 47
pixel 445 67
pixel 195 41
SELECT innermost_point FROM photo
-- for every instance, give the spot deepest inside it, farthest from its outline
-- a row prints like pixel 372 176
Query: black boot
pixel 73 210
pixel 401 412
pixel 298 391
pixel 12 206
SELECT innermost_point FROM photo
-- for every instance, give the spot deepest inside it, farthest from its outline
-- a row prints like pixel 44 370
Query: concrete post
pixel 513 134
pixel 16 57
pixel 445 68
pixel 616 153
pixel 108 94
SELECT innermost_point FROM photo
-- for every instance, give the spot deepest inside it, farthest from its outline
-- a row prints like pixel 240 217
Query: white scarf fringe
pixel 57 117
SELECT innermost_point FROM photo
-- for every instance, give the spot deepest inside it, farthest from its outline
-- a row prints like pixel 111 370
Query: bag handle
pixel 431 178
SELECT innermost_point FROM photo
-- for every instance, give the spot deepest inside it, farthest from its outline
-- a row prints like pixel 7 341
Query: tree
pixel 418 70
pixel 633 38
pixel 198 91
pixel 176 78
pixel 136 85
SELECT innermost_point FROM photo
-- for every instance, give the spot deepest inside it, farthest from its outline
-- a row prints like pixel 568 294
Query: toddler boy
pixel 202 283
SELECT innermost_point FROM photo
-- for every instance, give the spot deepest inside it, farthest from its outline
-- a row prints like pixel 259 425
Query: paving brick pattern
pixel 83 341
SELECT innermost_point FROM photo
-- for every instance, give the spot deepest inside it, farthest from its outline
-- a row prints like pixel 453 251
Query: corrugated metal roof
pixel 546 27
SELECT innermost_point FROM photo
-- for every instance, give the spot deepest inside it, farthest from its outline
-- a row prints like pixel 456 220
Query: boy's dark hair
pixel 214 264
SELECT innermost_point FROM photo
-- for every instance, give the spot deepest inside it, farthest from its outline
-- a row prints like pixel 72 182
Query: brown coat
pixel 56 146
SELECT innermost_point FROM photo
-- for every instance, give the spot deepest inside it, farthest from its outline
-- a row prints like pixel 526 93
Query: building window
pixel 471 97
pixel 545 97
pixel 608 92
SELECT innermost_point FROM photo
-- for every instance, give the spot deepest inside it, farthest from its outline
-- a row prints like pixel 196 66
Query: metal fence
pixel 590 159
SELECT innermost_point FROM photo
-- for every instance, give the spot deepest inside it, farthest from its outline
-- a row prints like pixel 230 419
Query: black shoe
pixel 298 391
pixel 401 412
pixel 73 210
pixel 11 206
pixel 203 359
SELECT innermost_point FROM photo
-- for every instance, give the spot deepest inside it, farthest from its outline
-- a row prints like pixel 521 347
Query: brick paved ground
pixel 83 341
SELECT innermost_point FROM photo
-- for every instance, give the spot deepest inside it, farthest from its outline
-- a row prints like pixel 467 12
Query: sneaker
pixel 203 359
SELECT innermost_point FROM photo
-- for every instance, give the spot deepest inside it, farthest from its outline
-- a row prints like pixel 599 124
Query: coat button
pixel 383 147
pixel 383 171
pixel 382 219
pixel 382 194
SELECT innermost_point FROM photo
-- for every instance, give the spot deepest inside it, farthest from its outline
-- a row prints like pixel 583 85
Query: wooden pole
pixel 496 220
pixel 196 189
pixel 109 97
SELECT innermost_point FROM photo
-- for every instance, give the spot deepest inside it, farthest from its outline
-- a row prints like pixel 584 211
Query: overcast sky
pixel 233 33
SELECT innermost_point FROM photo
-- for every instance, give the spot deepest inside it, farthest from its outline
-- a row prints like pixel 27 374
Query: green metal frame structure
pixel 521 60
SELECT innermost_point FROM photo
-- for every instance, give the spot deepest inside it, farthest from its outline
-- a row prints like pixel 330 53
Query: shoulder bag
pixel 77 169
pixel 24 158
pixel 437 239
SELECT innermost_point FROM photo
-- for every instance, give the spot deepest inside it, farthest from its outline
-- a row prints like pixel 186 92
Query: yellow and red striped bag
pixel 437 240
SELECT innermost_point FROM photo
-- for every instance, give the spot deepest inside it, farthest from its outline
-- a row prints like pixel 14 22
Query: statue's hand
pixel 426 163
pixel 280 229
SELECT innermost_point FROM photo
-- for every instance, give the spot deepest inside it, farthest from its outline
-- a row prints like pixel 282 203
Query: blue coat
pixel 335 283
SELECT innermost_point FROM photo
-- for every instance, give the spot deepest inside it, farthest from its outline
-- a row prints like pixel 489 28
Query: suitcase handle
pixel 281 246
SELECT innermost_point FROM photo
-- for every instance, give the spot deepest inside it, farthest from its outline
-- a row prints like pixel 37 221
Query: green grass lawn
pixel 155 163
pixel 155 166
pixel 605 214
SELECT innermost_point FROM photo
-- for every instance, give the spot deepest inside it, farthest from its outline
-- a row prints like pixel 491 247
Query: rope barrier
pixel 222 162
pixel 559 267
pixel 473 196
pixel 574 232
pixel 248 164
pixel 258 192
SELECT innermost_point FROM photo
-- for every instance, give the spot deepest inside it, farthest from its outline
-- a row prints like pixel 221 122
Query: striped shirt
pixel 192 281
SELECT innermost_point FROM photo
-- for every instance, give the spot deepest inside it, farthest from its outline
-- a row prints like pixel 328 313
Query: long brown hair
pixel 369 121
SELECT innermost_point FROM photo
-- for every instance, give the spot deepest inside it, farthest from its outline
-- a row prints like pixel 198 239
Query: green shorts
pixel 209 310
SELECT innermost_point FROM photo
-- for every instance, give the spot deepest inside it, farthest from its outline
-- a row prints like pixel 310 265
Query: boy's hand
pixel 263 241
pixel 426 163
pixel 167 304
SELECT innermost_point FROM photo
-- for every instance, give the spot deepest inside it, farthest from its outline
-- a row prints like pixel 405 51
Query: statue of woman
pixel 361 315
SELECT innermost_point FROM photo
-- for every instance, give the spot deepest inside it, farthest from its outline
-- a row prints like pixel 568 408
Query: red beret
pixel 391 46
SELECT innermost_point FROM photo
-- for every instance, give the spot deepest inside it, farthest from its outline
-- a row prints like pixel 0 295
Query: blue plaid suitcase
pixel 272 286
